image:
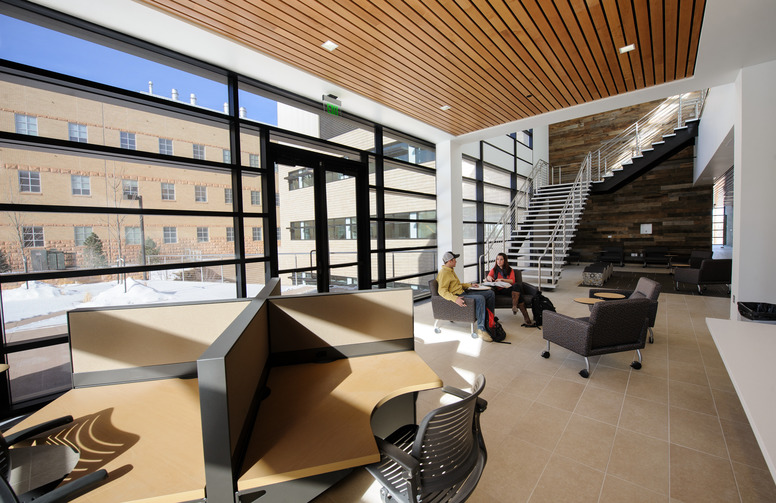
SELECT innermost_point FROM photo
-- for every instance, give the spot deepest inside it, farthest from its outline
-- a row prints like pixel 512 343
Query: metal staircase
pixel 538 228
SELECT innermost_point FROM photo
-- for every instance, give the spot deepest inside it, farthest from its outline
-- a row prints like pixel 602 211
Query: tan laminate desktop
pixel 147 435
pixel 317 417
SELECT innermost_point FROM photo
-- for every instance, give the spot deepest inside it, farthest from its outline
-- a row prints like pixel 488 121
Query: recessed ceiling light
pixel 627 48
pixel 445 107
pixel 329 45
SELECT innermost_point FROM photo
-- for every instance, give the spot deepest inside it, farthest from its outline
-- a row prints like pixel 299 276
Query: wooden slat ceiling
pixel 491 61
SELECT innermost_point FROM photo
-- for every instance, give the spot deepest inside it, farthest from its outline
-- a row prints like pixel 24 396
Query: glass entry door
pixel 323 221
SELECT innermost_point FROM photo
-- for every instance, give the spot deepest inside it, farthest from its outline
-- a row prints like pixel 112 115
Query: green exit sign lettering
pixel 331 109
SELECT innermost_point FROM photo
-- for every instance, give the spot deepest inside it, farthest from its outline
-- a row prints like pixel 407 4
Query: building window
pixel 170 235
pixel 200 193
pixel 26 124
pixel 165 146
pixel 230 233
pixel 256 233
pixel 81 233
pixel 81 185
pixel 168 191
pixel 132 235
pixel 253 160
pixel 255 198
pixel 129 189
pixel 203 234
pixel 302 231
pixel 300 178
pixel 199 151
pixel 228 196
pixel 29 181
pixel 77 132
pixel 227 156
pixel 342 228
pixel 411 230
pixel 127 140
pixel 32 236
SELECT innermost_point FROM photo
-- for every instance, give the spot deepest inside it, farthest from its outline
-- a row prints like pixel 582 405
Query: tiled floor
pixel 673 431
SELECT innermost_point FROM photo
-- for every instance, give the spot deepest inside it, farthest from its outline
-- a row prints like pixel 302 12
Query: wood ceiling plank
pixel 695 36
pixel 658 38
pixel 605 36
pixel 614 23
pixel 553 33
pixel 670 16
pixel 631 37
pixel 591 36
pixel 565 15
pixel 683 37
pixel 641 8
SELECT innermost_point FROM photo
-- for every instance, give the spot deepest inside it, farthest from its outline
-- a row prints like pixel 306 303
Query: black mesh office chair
pixel 442 459
pixel 34 472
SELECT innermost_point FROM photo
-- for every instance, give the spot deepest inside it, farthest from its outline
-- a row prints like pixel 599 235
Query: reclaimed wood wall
pixel 665 197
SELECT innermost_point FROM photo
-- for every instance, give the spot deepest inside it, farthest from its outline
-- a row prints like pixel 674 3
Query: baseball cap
pixel 448 256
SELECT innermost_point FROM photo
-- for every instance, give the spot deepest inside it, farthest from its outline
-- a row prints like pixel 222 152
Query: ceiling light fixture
pixel 445 107
pixel 627 48
pixel 329 45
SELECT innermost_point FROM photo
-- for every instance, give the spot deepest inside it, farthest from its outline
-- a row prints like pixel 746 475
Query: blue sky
pixel 33 45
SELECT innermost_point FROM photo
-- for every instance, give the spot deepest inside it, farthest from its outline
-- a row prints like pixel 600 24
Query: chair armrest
pixel 529 289
pixel 33 431
pixel 570 333
pixel 687 275
pixel 410 464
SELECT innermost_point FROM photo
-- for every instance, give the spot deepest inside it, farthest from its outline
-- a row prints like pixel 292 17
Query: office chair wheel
pixel 545 354
pixel 437 330
pixel 584 373
pixel 636 365
pixel 475 336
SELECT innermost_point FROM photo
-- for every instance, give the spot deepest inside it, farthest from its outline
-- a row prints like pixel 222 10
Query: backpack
pixel 495 330
pixel 539 305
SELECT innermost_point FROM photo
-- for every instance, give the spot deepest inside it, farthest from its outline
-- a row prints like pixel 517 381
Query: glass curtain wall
pixel 153 185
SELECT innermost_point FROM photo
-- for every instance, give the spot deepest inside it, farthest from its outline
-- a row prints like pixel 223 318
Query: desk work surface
pixel 147 435
pixel 747 349
pixel 317 417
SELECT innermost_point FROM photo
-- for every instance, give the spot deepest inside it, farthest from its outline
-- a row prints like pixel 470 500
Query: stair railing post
pixel 679 114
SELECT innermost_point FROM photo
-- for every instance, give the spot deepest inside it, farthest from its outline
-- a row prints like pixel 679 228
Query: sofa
pixel 710 272
pixel 655 255
pixel 612 254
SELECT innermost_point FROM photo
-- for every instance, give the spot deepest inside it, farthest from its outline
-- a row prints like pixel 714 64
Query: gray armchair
pixel 613 326
pixel 645 288
pixel 443 309
pixel 613 255
pixel 655 255
pixel 710 272
pixel 440 460
pixel 527 293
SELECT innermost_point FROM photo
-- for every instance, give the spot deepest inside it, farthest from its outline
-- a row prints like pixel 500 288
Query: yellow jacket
pixel 450 287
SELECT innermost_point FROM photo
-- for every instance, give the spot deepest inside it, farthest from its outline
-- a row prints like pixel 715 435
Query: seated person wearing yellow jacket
pixel 451 288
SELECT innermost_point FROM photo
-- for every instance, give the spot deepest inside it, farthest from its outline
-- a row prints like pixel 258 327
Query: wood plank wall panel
pixel 492 61
pixel 665 197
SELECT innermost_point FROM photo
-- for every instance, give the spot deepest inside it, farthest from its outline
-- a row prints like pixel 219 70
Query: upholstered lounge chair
pixel 613 326
pixel 443 309
pixel 655 255
pixel 645 288
pixel 710 272
pixel 612 254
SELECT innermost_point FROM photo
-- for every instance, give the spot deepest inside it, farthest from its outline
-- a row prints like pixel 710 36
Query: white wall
pixel 713 153
pixel 754 234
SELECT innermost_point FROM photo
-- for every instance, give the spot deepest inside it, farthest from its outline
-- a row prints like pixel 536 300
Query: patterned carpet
pixel 625 280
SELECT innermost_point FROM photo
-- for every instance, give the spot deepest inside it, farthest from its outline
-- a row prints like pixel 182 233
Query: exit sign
pixel 332 109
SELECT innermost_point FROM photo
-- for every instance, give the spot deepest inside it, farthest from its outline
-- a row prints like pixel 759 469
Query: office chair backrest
pixel 447 442
pixel 618 322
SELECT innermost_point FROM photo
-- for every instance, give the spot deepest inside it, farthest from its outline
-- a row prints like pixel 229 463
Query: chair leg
pixel 585 372
pixel 471 328
pixel 700 290
pixel 546 353
pixel 651 336
pixel 436 327
pixel 637 364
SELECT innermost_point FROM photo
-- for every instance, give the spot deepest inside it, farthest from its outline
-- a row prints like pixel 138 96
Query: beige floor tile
pixel 755 486
pixel 503 412
pixel 645 417
pixel 686 355
pixel 656 367
pixel 529 384
pixel 685 372
pixel 609 378
pixel 701 432
pixel 600 404
pixel 697 476
pixel 541 425
pixel 561 393
pixel 513 470
pixel 720 379
pixel 568 481
pixel 691 397
pixel 616 490
pixel 648 387
pixel 742 444
pixel 587 441
pixel 729 406
pixel 641 460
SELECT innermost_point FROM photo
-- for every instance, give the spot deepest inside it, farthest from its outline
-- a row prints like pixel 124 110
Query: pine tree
pixel 94 256
pixel 4 265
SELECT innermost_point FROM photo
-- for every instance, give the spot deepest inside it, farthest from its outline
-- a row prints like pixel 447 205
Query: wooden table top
pixel 609 295
pixel 147 435
pixel 317 416
pixel 587 300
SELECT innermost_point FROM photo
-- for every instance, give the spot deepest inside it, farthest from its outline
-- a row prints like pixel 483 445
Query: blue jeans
pixel 482 299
